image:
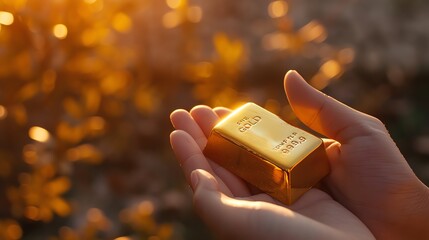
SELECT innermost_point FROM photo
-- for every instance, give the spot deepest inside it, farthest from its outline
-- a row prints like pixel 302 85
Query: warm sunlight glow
pixel 277 9
pixel 123 238
pixel 3 112
pixel 174 4
pixel 145 208
pixel 60 31
pixel 331 68
pixel 39 134
pixel 171 19
pixel 346 55
pixel 320 81
pixel 195 14
pixel 6 18
pixel 313 31
pixel 276 41
pixel 122 22
pixel 13 231
pixel 94 215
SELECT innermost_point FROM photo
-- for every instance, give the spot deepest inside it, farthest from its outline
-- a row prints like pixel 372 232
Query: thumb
pixel 227 217
pixel 240 219
pixel 327 115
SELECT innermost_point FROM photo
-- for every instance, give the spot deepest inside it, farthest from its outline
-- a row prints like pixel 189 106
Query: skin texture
pixel 370 192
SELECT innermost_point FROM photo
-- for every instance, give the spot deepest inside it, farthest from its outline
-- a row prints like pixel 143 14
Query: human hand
pixel 369 175
pixel 235 211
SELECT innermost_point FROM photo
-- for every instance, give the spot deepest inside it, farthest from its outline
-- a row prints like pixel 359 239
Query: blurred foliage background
pixel 86 88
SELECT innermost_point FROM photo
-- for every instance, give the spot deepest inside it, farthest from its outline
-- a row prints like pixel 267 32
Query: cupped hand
pixel 369 175
pixel 236 211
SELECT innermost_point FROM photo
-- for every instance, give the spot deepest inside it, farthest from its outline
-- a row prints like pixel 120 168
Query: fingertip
pixel 173 133
pixel 205 117
pixel 200 108
pixel 202 178
pixel 176 133
pixel 178 116
pixel 290 73
pixel 294 82
pixel 177 112
pixel 201 112
pixel 194 180
pixel 178 138
pixel 222 111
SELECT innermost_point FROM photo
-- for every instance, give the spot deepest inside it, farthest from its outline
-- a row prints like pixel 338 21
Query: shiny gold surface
pixel 278 158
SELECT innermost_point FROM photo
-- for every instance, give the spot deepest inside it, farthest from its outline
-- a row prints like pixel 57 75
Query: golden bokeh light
pixel 329 71
pixel 346 55
pixel 17 4
pixel 93 36
pixel 89 1
pixel 331 68
pixel 122 22
pixel 6 18
pixel 201 70
pixel 276 41
pixel 32 212
pixel 48 81
pixel 13 231
pixel 68 233
pixel 122 238
pixel 174 4
pixel 313 31
pixel 86 153
pixel 171 19
pixel 39 134
pixel 3 112
pixel 30 154
pixel 320 81
pixel 96 124
pixel 97 219
pixel 60 31
pixel 278 9
pixel 195 14
pixel 145 208
pixel 95 215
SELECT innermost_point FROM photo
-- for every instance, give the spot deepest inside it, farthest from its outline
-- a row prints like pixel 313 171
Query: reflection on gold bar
pixel 274 156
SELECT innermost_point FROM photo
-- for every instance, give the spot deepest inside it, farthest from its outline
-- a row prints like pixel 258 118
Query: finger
pixel 332 149
pixel 325 114
pixel 222 111
pixel 190 156
pixel 238 186
pixel 205 117
pixel 239 219
pixel 182 120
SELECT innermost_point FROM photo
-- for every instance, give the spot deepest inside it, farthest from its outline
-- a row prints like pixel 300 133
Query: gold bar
pixel 274 156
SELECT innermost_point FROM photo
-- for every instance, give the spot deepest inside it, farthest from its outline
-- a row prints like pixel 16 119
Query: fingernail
pixel 194 180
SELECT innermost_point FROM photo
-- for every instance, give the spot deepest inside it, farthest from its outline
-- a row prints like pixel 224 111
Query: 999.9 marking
pixel 289 143
pixel 293 144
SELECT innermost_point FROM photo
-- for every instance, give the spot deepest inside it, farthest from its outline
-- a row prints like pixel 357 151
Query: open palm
pixel 235 210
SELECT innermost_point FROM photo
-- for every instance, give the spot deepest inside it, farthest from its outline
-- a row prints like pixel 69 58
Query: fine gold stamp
pixel 272 155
